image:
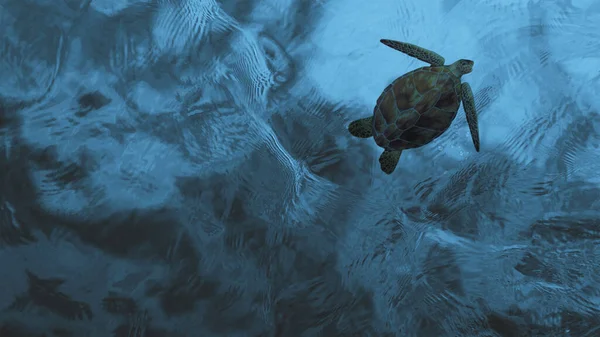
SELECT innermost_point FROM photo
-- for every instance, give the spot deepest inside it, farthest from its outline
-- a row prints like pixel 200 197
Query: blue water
pixel 183 168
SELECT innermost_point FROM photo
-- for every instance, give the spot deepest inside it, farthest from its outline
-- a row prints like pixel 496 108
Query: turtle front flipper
pixel 469 107
pixel 362 128
pixel 417 52
pixel 388 161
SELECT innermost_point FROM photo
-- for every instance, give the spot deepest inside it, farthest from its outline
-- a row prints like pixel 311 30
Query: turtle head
pixel 463 66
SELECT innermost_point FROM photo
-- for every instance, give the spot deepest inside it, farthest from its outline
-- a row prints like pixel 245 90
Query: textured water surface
pixel 183 168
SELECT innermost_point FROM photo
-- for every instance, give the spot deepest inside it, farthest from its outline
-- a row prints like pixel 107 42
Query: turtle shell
pixel 416 108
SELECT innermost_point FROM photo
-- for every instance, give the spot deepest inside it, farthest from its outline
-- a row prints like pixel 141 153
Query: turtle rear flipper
pixel 362 128
pixel 417 52
pixel 388 160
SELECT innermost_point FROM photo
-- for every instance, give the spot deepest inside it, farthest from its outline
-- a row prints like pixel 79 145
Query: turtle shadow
pixel 91 101
pixel 45 293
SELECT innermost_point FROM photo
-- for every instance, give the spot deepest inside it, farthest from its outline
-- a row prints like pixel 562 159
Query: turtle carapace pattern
pixel 418 106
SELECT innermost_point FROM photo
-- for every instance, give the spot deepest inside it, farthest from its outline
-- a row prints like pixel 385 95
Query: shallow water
pixel 183 168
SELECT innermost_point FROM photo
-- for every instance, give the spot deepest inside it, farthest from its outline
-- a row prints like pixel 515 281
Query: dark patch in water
pixel 44 293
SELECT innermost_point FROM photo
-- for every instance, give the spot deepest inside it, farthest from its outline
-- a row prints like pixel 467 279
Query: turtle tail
pixel 362 128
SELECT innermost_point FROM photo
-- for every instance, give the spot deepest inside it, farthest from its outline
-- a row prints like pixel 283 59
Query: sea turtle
pixel 418 106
